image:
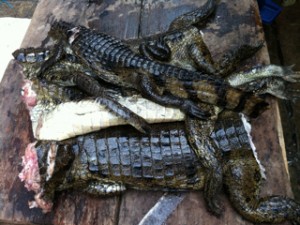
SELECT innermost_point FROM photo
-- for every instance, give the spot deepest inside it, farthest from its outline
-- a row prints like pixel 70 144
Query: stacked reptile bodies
pixel 109 161
pixel 82 57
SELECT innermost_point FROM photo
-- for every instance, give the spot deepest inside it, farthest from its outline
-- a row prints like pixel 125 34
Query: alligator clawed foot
pixel 193 109
pixel 156 49
pixel 215 207
pixel 111 93
pixel 291 76
pixel 123 112
pixel 212 193
pixel 212 197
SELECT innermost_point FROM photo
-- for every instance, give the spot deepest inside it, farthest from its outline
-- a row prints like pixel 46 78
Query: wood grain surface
pixel 235 23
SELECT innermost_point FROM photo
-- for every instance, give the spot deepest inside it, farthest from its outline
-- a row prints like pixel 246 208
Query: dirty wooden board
pixel 236 22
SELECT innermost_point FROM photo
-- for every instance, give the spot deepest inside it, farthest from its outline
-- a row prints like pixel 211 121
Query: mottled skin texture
pixel 204 148
pixel 97 56
pixel 165 84
pixel 168 85
pixel 62 77
pixel 107 162
pixel 63 66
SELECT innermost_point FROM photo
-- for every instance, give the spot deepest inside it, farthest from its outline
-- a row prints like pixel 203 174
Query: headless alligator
pixel 108 162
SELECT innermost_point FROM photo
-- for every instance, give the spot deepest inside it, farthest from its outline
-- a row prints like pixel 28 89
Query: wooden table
pixel 235 22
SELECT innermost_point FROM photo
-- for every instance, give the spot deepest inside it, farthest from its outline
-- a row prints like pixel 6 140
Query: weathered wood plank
pixel 135 204
pixel 14 136
pixel 118 18
pixel 235 23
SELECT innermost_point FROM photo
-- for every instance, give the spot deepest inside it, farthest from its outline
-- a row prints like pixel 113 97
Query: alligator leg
pixel 242 180
pixel 153 49
pixel 198 133
pixel 103 187
pixel 201 56
pixel 231 60
pixel 92 87
pixel 149 90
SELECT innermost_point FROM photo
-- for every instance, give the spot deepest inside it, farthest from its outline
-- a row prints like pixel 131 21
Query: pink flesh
pixel 31 177
pixel 30 173
pixel 29 96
